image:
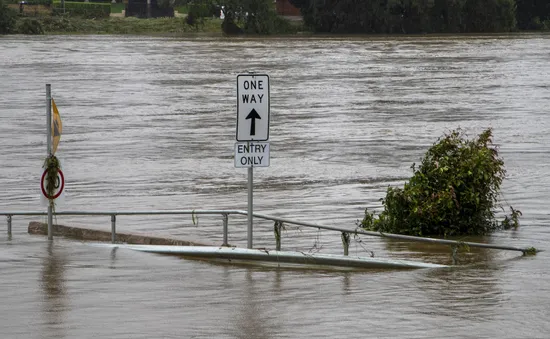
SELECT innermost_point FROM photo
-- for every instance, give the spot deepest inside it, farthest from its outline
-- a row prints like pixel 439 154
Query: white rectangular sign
pixel 252 107
pixel 251 154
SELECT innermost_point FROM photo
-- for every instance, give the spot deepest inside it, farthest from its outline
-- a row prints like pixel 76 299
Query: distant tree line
pixel 424 16
pixel 354 16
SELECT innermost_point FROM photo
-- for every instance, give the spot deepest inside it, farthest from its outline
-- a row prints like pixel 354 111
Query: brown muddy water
pixel 149 124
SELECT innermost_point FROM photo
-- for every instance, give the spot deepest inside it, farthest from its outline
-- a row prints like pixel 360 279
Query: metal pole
pixel 345 242
pixel 9 224
pixel 277 227
pixel 113 228
pixel 225 218
pixel 49 151
pixel 250 203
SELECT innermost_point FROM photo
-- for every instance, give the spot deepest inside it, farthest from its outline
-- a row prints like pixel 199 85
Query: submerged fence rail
pixel 345 233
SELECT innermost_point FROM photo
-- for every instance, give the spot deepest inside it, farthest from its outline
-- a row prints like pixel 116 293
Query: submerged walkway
pixel 87 234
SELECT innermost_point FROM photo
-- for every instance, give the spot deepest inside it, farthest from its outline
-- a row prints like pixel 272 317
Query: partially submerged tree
pixel 453 192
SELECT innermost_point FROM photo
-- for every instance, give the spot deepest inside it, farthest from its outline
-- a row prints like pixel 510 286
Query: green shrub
pixel 7 18
pixel 269 23
pixel 453 192
pixel 29 26
pixel 58 24
pixel 85 9
pixel 538 24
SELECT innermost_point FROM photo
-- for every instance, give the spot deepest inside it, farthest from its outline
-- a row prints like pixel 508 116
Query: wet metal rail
pixel 345 233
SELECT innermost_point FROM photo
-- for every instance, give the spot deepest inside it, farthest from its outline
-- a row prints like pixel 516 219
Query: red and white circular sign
pixel 59 185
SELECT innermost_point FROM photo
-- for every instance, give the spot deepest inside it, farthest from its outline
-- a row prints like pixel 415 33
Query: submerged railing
pixel 345 233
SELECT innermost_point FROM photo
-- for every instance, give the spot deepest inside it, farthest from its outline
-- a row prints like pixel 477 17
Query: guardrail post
pixel 277 230
pixel 113 228
pixel 9 224
pixel 225 218
pixel 454 252
pixel 345 242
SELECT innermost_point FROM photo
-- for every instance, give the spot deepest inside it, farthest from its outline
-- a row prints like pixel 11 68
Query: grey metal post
pixel 277 227
pixel 9 224
pixel 49 151
pixel 225 218
pixel 345 242
pixel 113 228
pixel 250 203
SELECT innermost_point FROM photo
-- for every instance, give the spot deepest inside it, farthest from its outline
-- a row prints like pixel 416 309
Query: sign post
pixel 49 151
pixel 250 207
pixel 252 127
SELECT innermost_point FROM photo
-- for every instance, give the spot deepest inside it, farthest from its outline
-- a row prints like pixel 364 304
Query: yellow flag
pixel 57 127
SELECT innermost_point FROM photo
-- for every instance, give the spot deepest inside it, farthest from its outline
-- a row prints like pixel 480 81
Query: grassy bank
pixel 121 25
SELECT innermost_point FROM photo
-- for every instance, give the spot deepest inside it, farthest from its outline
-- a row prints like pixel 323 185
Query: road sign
pixel 59 185
pixel 251 154
pixel 252 107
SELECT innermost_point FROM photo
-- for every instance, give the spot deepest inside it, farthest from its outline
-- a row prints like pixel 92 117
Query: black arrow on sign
pixel 253 115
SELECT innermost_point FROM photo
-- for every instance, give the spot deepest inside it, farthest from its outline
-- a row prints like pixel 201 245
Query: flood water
pixel 149 124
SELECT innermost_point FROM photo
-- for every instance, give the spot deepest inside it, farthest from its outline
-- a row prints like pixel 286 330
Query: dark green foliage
pixel 229 27
pixel 7 18
pixel 149 9
pixel 533 14
pixel 408 16
pixel 58 24
pixel 453 192
pixel 165 4
pixel 263 20
pixel 489 15
pixel 530 251
pixel 243 16
pixel 259 17
pixel 85 9
pixel 29 26
pixel 199 10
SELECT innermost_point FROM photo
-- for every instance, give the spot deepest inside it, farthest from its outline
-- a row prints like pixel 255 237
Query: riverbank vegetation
pixel 260 17
pixel 42 20
pixel 48 16
pixel 424 16
pixel 453 192
pixel 121 25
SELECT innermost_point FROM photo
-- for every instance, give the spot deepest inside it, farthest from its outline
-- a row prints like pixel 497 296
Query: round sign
pixel 60 184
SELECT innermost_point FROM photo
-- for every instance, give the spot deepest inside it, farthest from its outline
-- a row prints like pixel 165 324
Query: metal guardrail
pixel 345 233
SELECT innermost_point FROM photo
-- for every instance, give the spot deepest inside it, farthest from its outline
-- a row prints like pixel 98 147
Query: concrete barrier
pixel 87 234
